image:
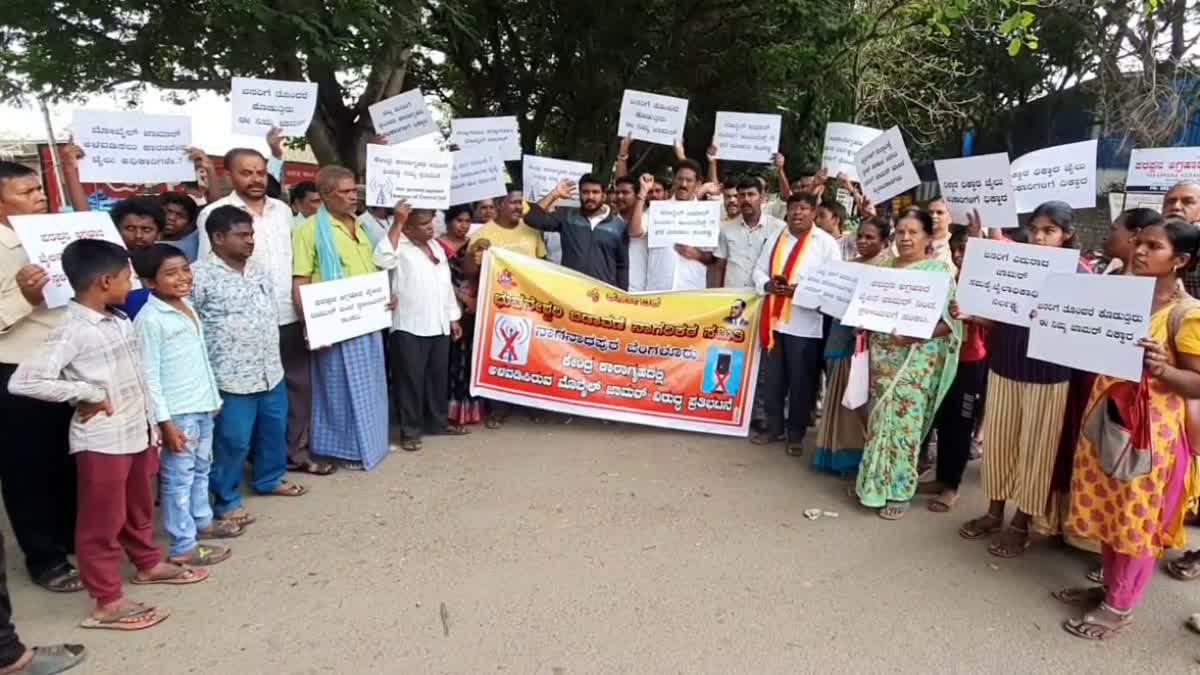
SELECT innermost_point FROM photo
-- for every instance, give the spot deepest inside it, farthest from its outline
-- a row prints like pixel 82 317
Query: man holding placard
pixel 349 384
pixel 682 267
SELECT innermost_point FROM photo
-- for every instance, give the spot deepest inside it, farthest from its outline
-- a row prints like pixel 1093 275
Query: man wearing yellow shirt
pixel 349 382
pixel 508 231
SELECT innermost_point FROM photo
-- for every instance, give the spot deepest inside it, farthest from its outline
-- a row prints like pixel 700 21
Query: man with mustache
pixel 595 239
pixel 1183 201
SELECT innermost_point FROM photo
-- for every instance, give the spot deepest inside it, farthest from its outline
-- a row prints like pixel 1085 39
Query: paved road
pixel 611 549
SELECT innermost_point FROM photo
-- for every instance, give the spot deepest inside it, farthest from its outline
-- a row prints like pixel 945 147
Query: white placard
pixel 829 287
pixel 1064 173
pixel 45 236
pixel 652 117
pixel 132 147
pixel 747 137
pixel 982 183
pixel 402 117
pixel 1093 322
pixel 540 175
pixel 476 175
pixel 842 143
pixel 1120 202
pixel 1001 280
pixel 501 135
pixel 338 310
pixel 259 105
pixel 1159 169
pixel 900 301
pixel 419 176
pixel 689 223
pixel 884 167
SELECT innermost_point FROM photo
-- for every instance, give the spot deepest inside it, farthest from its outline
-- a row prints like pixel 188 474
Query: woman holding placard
pixel 909 378
pixel 842 431
pixel 1131 464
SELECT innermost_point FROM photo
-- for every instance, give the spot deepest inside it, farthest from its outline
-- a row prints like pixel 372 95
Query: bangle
pixel 622 157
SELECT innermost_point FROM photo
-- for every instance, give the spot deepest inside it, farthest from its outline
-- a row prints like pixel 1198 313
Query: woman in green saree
pixel 909 377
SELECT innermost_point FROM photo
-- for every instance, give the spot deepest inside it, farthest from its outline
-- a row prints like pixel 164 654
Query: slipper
pixel 943 504
pixel 1090 629
pixel 1096 575
pixel 287 489
pixel 410 445
pixel 451 430
pixel 353 466
pixel 313 468
pixel 202 556
pixel 1186 567
pixel 1089 597
pixel 977 528
pixel 186 576
pixel 61 579
pixel 1002 548
pixel 239 516
pixel 134 617
pixel 221 529
pixel 894 510
pixel 54 659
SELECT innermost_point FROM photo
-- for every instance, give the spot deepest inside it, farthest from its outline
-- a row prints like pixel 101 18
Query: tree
pixel 357 51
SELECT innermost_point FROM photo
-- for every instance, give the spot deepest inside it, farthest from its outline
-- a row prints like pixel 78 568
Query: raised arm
pixel 621 168
pixel 204 164
pixel 76 195
pixel 713 172
pixel 785 186
pixel 540 216
pixel 636 224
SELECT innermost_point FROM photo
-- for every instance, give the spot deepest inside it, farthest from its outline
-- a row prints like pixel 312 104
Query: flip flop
pixel 287 489
pixel 313 468
pixel 976 529
pixel 410 445
pixel 54 659
pixel 1186 567
pixel 241 519
pixel 1000 549
pixel 894 510
pixel 186 576
pixel 135 617
pixel 202 556
pixel 221 529
pixel 1089 597
pixel 1089 629
pixel 941 504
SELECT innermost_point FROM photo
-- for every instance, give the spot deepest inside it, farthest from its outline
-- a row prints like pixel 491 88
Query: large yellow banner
pixel 552 338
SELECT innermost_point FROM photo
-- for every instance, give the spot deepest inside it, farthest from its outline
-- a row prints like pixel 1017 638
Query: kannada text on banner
pixel 558 340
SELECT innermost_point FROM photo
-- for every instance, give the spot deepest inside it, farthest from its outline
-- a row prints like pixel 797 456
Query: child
pixel 183 400
pixel 91 360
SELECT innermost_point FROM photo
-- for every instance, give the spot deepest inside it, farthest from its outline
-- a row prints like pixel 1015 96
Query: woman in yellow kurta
pixel 1130 497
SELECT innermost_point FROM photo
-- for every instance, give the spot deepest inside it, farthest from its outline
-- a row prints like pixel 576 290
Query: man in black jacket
pixel 595 239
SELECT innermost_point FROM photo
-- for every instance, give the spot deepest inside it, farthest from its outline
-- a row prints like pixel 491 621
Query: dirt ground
pixel 611 549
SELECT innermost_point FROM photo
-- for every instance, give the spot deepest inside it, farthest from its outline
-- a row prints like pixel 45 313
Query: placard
pixel 1120 202
pixel 1159 169
pixel 652 117
pixel 747 137
pixel 842 143
pixel 695 223
pixel 418 176
pixel 500 135
pixel 899 301
pixel 540 175
pixel 1093 322
pixel 1001 281
pixel 982 183
pixel 476 175
pixel 44 237
pixel 1064 173
pixel 259 105
pixel 402 117
pixel 133 147
pixel 335 311
pixel 884 167
pixel 829 287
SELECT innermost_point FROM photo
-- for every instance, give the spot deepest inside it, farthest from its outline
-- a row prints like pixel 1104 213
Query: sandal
pixel 764 438
pixel 239 516
pixel 1092 626
pixel 495 421
pixel 61 579
pixel 794 448
pixel 135 616
pixel 202 556
pixel 288 489
pixel 1010 543
pixel 1089 597
pixel 980 527
pixel 52 659
pixel 1186 567
pixel 894 510
pixel 349 465
pixel 410 445
pixel 182 576
pixel 313 468
pixel 221 529
pixel 452 430
pixel 944 502
pixel 1096 575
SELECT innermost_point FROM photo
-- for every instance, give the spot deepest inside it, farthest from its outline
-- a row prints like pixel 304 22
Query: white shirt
pixel 272 247
pixel 666 270
pixel 638 255
pixel 822 250
pixel 425 303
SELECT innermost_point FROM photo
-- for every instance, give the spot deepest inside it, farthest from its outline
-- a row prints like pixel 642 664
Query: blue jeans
pixel 183 482
pixel 249 423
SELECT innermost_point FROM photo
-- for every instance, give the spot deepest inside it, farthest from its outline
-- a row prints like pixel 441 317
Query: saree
pixel 908 384
pixel 464 408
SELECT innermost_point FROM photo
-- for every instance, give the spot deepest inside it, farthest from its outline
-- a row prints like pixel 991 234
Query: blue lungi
pixel 350 401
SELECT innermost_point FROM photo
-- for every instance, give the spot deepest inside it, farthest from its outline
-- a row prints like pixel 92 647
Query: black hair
pixel 1062 215
pixel 182 201
pixel 233 155
pixel 958 234
pixel 806 197
pixel 223 218
pixel 454 211
pixel 662 182
pixel 149 260
pixel 838 211
pixel 1185 240
pixel 749 183
pixel 301 190
pixel 689 164
pixel 939 198
pixel 510 188
pixel 630 181
pixel 274 188
pixel 1019 235
pixel 921 217
pixel 139 206
pixel 1136 219
pixel 86 260
pixel 881 223
pixel 731 184
pixel 10 170
pixel 589 179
